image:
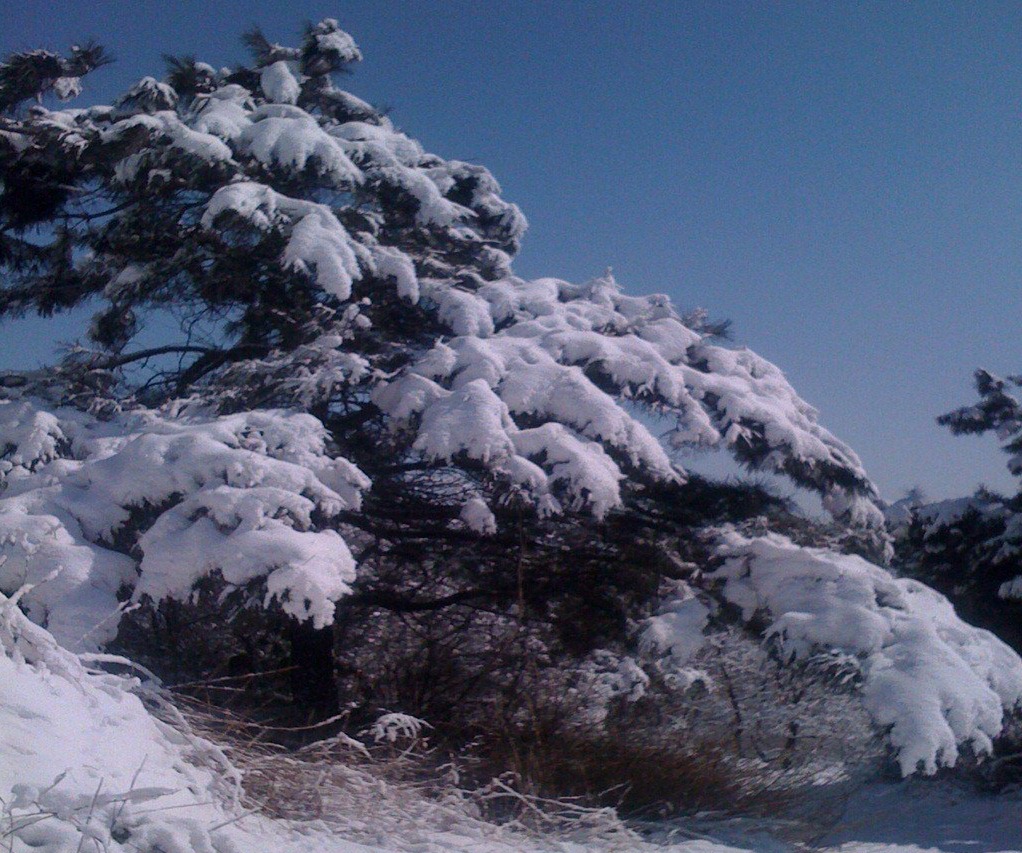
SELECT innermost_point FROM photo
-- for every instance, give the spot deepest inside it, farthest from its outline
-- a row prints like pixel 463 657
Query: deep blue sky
pixel 840 180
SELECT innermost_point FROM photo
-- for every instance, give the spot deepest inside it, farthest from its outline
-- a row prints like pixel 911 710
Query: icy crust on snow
pixel 551 352
pixel 235 494
pixel 930 679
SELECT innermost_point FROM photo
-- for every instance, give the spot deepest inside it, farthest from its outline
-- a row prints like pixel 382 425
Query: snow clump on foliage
pixel 236 494
pixel 930 679
pixel 570 357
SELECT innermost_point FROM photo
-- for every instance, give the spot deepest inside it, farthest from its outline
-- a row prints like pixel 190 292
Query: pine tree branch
pixel 120 361
pixel 86 217
pixel 398 603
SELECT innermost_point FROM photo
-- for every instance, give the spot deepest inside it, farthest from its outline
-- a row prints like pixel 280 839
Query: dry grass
pixel 532 768
pixel 644 779
pixel 393 793
pixel 561 786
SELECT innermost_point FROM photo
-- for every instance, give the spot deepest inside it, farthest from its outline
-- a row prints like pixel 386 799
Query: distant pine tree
pixel 971 549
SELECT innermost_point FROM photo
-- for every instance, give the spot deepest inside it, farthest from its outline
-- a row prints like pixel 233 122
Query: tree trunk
pixel 312 680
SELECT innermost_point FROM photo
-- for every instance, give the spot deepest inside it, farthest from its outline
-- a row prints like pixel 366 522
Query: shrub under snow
pixel 86 766
pixel 932 680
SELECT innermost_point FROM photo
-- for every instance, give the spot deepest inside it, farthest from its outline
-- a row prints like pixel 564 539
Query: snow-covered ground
pixel 908 816
pixel 84 766
pixel 925 815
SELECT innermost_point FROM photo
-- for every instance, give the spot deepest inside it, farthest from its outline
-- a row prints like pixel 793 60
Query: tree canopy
pixel 316 257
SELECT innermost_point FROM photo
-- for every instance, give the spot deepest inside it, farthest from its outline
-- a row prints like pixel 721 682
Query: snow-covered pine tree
pixel 313 257
pixel 358 399
pixel 316 257
pixel 971 548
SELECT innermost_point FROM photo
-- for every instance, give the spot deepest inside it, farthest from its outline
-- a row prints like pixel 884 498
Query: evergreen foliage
pixel 315 257
pixel 971 549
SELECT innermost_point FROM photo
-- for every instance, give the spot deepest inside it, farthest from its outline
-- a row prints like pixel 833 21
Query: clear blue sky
pixel 841 180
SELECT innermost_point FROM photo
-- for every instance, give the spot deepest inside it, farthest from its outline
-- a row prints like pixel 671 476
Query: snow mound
pixel 85 766
pixel 934 682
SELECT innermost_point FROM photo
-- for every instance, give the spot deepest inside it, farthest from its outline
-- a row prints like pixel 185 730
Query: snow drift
pixel 86 766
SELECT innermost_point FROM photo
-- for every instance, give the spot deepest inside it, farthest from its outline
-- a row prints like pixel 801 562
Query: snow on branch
pixel 178 140
pixel 932 681
pixel 236 494
pixel 362 211
pixel 287 136
pixel 317 244
pixel 595 361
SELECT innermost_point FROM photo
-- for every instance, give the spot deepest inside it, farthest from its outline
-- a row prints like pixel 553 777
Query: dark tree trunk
pixel 313 685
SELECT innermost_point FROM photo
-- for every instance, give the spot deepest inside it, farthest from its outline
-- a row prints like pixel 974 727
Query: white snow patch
pixel 279 83
pixel 1011 590
pixel 317 243
pixel 478 516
